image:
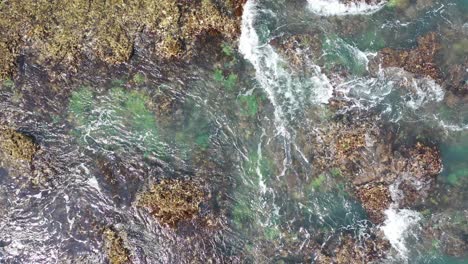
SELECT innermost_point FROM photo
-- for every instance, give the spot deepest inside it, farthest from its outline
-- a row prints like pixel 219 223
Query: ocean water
pixel 242 124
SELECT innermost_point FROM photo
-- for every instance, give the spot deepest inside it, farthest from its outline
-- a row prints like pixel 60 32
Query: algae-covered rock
pixel 299 49
pixel 63 32
pixel 172 201
pixel 448 232
pixel 350 250
pixel 375 199
pixel 420 60
pixel 364 152
pixel 116 251
pixel 7 58
pixel 16 145
pixel 424 161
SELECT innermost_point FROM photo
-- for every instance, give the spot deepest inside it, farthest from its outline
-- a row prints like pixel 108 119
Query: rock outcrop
pixel 61 33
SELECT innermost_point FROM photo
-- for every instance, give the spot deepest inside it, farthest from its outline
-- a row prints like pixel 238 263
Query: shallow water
pixel 236 124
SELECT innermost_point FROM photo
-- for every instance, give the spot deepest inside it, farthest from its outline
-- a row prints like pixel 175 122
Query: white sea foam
pixel 262 57
pixel 286 92
pixel 397 228
pixel 336 7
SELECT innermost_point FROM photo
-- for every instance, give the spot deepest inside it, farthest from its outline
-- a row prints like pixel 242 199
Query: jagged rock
pixel 423 161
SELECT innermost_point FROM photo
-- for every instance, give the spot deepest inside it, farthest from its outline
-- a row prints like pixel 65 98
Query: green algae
pixel 372 39
pixel 116 120
pixel 318 182
pixel 336 172
pixel 203 141
pixel 249 105
pixel 139 78
pixel 81 104
pixel 243 214
pixel 8 83
pixel 249 213
pixel 398 3
pixel 272 232
pixel 218 75
pixel 456 176
pixel 227 49
pixel 195 130
pixel 453 157
pixel 229 82
pixel 331 209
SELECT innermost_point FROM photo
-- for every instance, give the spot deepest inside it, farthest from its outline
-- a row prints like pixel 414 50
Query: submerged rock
pixel 299 49
pixel 172 201
pixel 17 146
pixel 365 154
pixel 420 60
pixel 349 250
pixel 448 232
pixel 115 248
pixel 425 61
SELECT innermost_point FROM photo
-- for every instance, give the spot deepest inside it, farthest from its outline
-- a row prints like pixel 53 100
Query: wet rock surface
pixel 62 34
pixel 420 61
pixel 427 59
pixel 300 49
pixel 172 201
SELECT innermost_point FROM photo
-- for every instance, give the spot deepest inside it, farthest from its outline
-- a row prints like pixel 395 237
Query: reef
pixel 368 158
pixel 376 199
pixel 172 201
pixel 57 33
